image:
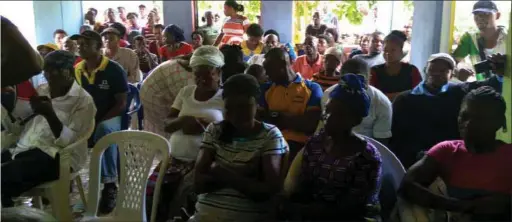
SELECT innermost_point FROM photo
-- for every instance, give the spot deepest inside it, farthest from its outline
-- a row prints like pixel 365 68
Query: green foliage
pixel 409 5
pixel 251 9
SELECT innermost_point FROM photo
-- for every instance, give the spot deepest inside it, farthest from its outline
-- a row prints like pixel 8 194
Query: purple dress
pixel 352 183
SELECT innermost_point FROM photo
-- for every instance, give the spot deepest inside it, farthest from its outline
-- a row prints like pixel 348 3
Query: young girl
pixel 394 76
pixel 235 26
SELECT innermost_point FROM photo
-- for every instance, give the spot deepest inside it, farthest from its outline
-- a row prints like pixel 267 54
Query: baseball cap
pixel 87 34
pixel 48 45
pixel 333 51
pixel 110 30
pixel 59 59
pixel 485 6
pixel 443 56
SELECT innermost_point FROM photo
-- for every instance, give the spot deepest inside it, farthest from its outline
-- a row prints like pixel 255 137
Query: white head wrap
pixel 207 55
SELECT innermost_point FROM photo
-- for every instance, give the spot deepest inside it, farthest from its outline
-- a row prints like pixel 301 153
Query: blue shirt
pixel 421 90
pixel 103 83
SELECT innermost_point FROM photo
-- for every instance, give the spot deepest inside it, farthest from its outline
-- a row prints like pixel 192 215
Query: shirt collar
pixel 318 61
pixel 298 79
pixel 74 91
pixel 421 90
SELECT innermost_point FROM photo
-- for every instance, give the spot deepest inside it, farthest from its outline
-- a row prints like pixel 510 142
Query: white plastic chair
pixel 137 151
pixel 58 191
pixel 392 174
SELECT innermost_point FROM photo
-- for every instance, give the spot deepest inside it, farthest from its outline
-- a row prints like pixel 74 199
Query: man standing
pixel 209 29
pixel 142 14
pixel 106 82
pixel 127 58
pixel 490 39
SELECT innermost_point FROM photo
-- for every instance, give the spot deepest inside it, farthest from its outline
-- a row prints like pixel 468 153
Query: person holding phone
pixel 63 111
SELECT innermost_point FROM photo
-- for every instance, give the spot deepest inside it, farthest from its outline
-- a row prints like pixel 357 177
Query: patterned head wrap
pixel 352 89
pixel 207 55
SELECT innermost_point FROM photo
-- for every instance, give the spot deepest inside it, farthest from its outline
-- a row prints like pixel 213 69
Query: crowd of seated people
pixel 259 132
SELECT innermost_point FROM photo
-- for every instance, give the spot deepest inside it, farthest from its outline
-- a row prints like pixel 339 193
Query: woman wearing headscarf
pixel 336 176
pixel 175 44
pixel 235 26
pixel 194 108
pixel 238 170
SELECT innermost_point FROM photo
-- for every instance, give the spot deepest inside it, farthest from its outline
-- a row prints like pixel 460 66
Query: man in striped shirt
pixel 329 75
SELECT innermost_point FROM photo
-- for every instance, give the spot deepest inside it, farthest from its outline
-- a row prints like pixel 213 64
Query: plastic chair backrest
pixel 392 175
pixel 137 151
pixel 133 96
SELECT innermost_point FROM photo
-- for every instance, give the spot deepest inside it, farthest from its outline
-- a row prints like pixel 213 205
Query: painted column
pixel 506 136
pixel 278 15
pixel 426 31
pixel 180 13
pixel 52 15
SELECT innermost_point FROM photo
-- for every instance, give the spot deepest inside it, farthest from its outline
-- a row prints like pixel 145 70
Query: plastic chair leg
pixel 60 203
pixel 38 202
pixel 80 187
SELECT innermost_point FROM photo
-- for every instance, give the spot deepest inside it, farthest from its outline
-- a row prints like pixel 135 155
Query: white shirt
pixel 75 110
pixel 129 60
pixel 378 122
pixel 186 147
pixel 256 59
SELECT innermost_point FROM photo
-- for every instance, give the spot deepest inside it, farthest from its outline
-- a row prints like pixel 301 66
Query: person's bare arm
pixel 203 179
pixel 415 189
pixel 258 190
pixel 119 108
pixel 306 123
pixel 219 39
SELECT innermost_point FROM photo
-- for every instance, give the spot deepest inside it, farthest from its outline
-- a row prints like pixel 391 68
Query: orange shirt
pixel 302 66
pixel 183 50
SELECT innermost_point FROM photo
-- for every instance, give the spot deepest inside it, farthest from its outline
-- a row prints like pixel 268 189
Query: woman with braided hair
pixel 238 170
pixel 475 169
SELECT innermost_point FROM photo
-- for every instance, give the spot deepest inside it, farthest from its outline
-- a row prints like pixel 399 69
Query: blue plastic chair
pixel 133 95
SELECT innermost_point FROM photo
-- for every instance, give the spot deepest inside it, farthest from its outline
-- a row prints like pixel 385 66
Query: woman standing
pixel 336 176
pixel 175 44
pixel 238 170
pixel 235 26
pixel 394 76
pixel 195 107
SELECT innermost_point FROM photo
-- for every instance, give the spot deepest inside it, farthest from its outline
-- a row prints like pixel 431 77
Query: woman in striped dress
pixel 234 28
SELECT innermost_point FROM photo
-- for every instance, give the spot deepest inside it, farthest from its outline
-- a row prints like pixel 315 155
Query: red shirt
pixel 185 49
pixel 123 43
pixel 468 174
pixel 78 59
pixel 408 77
pixel 153 48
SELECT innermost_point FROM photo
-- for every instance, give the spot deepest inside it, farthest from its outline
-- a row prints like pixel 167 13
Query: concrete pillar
pixel 506 135
pixel 52 15
pixel 426 34
pixel 181 14
pixel 278 15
